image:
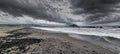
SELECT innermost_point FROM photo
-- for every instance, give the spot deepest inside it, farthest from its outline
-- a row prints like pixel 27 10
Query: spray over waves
pixel 107 38
pixel 85 31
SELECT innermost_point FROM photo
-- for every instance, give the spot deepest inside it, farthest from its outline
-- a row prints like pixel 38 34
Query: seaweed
pixel 19 43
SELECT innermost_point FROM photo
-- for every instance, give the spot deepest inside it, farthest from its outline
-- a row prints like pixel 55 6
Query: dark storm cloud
pixel 24 7
pixel 92 3
pixel 98 8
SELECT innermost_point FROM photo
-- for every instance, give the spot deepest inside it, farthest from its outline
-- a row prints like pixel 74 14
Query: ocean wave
pixel 107 38
pixel 85 31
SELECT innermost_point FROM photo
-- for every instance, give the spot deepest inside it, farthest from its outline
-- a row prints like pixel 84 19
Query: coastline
pixel 54 42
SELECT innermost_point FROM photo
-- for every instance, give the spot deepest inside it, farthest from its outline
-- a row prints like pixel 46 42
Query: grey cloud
pixel 104 7
pixel 93 4
pixel 36 9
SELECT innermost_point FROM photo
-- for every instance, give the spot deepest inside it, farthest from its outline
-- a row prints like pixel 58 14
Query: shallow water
pixel 108 38
pixel 101 32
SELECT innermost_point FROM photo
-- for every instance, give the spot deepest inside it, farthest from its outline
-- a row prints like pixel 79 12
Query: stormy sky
pixel 104 12
pixel 35 9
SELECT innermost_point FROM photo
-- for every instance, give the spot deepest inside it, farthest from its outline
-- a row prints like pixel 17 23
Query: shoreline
pixel 41 41
pixel 77 42
pixel 87 38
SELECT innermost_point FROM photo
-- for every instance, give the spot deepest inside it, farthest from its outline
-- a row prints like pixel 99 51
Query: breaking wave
pixel 85 31
pixel 108 38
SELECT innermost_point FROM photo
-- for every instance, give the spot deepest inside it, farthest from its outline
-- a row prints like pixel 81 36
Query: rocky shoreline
pixel 33 41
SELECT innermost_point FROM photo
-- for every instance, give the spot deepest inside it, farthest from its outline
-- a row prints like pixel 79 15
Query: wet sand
pixel 33 41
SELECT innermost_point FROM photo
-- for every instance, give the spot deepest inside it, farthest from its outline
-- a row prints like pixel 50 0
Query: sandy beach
pixel 34 41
